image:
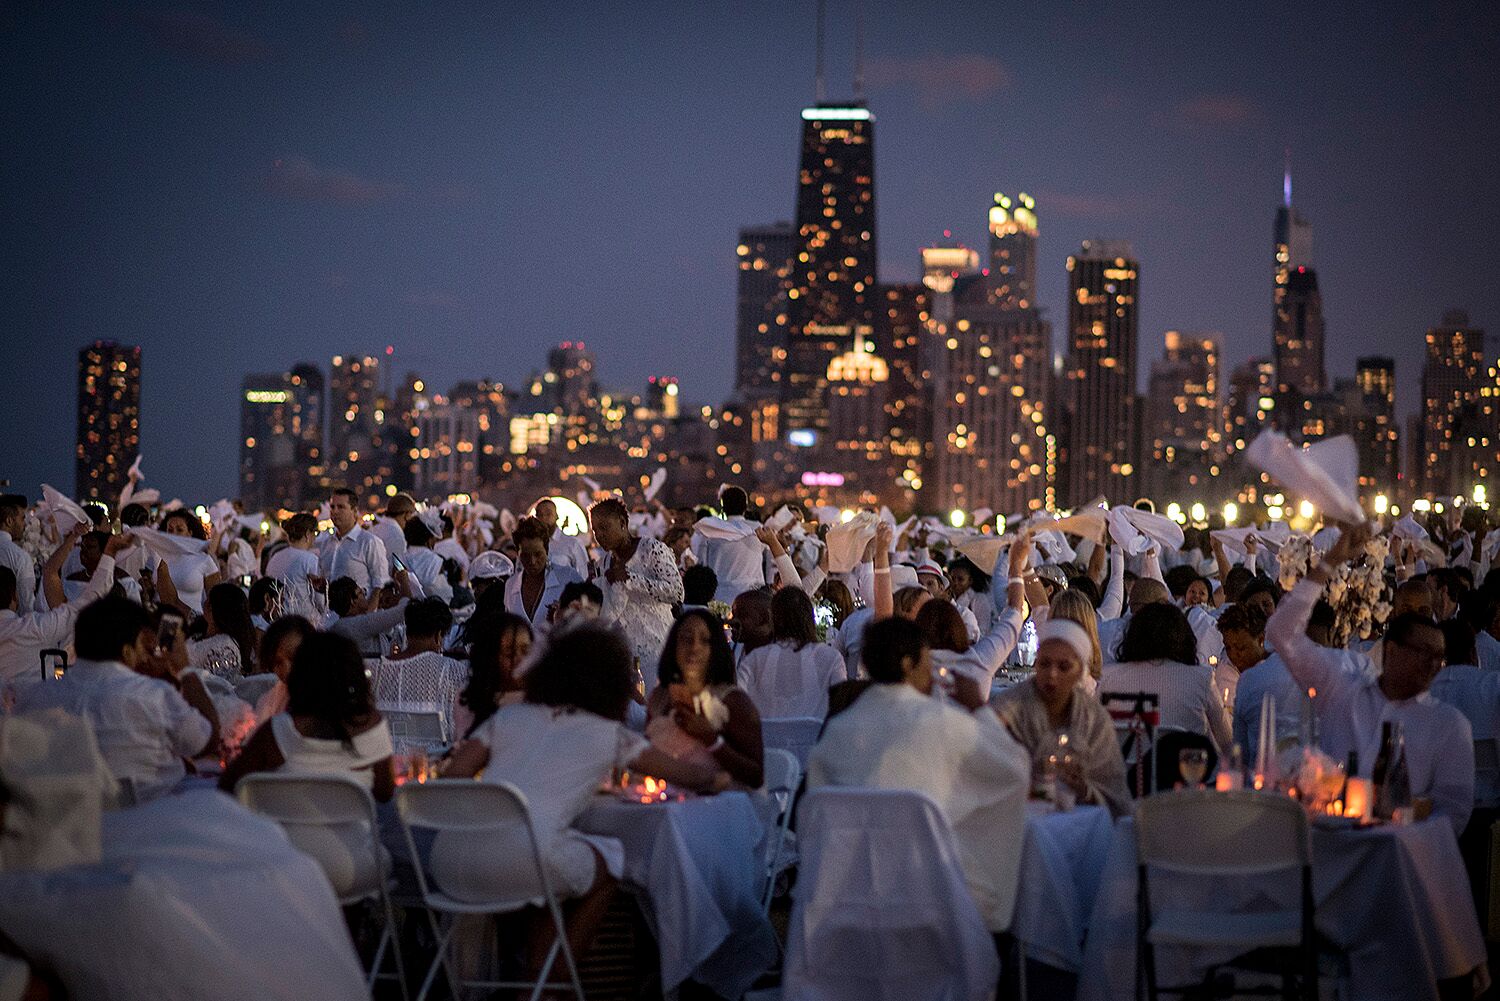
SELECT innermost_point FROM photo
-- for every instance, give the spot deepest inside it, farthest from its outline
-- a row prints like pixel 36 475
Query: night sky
pixel 240 186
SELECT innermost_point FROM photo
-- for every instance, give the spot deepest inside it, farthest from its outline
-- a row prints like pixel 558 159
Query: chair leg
pixel 1020 967
pixel 545 971
pixel 393 935
pixel 1149 964
pixel 439 959
pixel 567 950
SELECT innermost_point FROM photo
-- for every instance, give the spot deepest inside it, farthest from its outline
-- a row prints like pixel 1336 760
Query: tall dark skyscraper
pixel 833 293
pixel 1297 318
pixel 1374 426
pixel 1102 436
pixel 1451 378
pixel 281 439
pixel 764 257
pixel 1012 263
pixel 109 418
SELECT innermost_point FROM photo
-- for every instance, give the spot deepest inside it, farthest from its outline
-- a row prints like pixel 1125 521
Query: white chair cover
pixel 796 734
pixel 881 911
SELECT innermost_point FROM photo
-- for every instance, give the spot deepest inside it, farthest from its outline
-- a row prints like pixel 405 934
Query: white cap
pixel 490 564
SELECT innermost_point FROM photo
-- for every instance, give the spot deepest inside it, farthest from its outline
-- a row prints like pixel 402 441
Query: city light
pixel 956 518
pixel 1198 512
pixel 1231 513
pixel 1274 512
pixel 1382 503
pixel 1421 504
pixel 1306 509
pixel 1174 511
pixel 1481 496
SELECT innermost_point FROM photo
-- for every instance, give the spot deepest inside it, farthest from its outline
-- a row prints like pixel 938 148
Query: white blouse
pixel 785 682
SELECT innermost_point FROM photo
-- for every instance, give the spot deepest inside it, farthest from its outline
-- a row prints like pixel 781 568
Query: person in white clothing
pixel 897 736
pixel 740 564
pixel 390 528
pixel 447 546
pixel 422 560
pixel 420 678
pixel 640 582
pixel 1353 700
pixel 24 635
pixel 193 573
pixel 348 550
pixel 563 550
pixel 791 676
pixel 1158 655
pixel 13 527
pixel 295 562
pixel 533 593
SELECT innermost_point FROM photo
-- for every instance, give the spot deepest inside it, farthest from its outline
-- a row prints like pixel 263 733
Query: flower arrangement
pixel 824 617
pixel 1357 590
pixel 721 609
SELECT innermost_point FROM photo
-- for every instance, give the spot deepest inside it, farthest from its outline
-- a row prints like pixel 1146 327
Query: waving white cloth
pixel 1236 539
pixel 826 514
pixel 58 785
pixel 1135 530
pixel 132 476
pixel 146 497
pixel 984 551
pixel 658 480
pixel 221 513
pixel 1325 473
pixel 714 527
pixel 847 541
pixel 65 512
pixel 1408 529
pixel 1087 522
pixel 165 546
pixel 781 519
pixel 508 522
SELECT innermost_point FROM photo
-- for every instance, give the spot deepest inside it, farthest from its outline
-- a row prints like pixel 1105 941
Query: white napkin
pixel 1325 473
pixel 1090 523
pixel 1428 551
pixel 1234 539
pixel 508 522
pixel 1407 528
pixel 981 516
pixel 432 519
pixel 714 527
pixel 826 514
pixel 1135 530
pixel 221 513
pixel 658 479
pixel 982 550
pixel 65 512
pixel 1326 538
pixel 133 476
pixel 165 546
pixel 145 497
pixel 59 785
pixel 781 519
pixel 1054 547
pixel 847 541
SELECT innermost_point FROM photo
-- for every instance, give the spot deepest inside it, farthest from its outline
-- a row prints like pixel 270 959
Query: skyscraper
pixel 447 441
pixel 1012 262
pixel 1450 382
pixel 281 439
pixel 1185 419
pixel 1252 388
pixel 858 421
pixel 109 418
pixel 1374 427
pixel 833 295
pixel 764 256
pixel 1298 344
pixel 1099 452
pixel 360 453
pixel 900 333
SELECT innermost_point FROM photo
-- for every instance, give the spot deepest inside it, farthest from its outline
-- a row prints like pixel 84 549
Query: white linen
pixel 728 546
pixel 64 511
pixel 358 555
pixel 24 637
pixel 390 534
pixel 1135 530
pixel 164 545
pixel 165 913
pixel 893 737
pixel 847 541
pixel 57 786
pixel 786 682
pixel 568 551
pixel 1061 864
pixel 1325 473
pixel 144 726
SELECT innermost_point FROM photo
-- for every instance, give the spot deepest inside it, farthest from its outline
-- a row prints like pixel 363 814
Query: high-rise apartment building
pixel 764 256
pixel 1451 378
pixel 1099 453
pixel 858 421
pixel 447 442
pixel 1012 260
pixel 1298 345
pixel 361 451
pixel 1251 401
pixel 833 295
pixel 1374 427
pixel 109 419
pixel 1184 420
pixel 281 440
pixel 900 333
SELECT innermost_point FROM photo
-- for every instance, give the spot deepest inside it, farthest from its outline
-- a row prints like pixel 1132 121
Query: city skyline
pixel 1204 265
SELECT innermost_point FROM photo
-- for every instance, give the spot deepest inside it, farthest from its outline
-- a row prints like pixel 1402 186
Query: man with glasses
pixel 1354 699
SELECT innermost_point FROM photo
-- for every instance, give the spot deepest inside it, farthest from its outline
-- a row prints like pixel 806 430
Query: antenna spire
pixel 1286 180
pixel 859 50
pixel 822 90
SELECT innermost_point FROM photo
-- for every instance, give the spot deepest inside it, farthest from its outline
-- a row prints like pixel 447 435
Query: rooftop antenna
pixel 1286 180
pixel 822 90
pixel 859 50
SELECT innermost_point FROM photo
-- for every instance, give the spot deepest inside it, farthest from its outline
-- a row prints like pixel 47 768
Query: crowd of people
pixel 976 665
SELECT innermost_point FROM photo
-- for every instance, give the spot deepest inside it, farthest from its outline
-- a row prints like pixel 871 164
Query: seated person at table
pixel 1052 703
pixel 146 715
pixel 420 678
pixel 897 736
pixel 558 747
pixel 1159 655
pixel 790 676
pixel 1353 701
pixel 498 644
pixel 696 713
pixel 278 648
pixel 330 726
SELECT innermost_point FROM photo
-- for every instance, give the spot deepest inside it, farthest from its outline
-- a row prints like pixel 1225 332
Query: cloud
pixel 296 178
pixel 1218 111
pixel 1084 206
pixel 200 37
pixel 940 79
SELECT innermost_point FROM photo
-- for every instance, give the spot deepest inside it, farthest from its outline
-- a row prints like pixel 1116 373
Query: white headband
pixel 1070 633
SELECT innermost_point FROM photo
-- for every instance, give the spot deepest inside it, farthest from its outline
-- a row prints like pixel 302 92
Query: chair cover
pixel 791 733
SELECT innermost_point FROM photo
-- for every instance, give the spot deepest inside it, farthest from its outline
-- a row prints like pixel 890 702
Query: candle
pixel 1228 781
pixel 1357 798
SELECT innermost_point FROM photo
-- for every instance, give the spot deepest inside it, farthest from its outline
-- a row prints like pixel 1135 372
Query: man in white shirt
pixel 897 736
pixel 13 527
pixel 564 550
pixel 1353 702
pixel 741 564
pixel 145 719
pixel 390 528
pixel 1487 640
pixel 24 635
pixel 350 551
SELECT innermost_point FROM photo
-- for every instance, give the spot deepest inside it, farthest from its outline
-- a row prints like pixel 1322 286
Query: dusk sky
pixel 241 186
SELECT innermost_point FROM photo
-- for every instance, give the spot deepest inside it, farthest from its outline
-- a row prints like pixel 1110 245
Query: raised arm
pixel 1312 666
pixel 52 585
pixel 885 598
pixel 785 568
pixel 1114 594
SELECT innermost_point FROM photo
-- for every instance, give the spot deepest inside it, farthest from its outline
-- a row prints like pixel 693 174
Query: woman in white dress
pixel 193 574
pixel 557 747
pixel 422 562
pixel 228 650
pixel 790 677
pixel 640 581
pixel 533 593
pixel 420 678
pixel 1159 655
pixel 297 560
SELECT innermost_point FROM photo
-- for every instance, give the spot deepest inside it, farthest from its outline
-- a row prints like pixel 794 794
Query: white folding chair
pixel 479 814
pixel 1207 835
pixel 332 818
pixel 782 776
pixel 881 911
pixel 413 729
pixel 797 734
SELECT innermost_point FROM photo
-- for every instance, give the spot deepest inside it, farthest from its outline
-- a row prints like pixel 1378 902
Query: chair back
pixel 881 909
pixel 485 854
pixel 253 687
pixel 414 728
pixel 1487 772
pixel 330 817
pixel 796 734
pixel 1207 833
pixel 782 777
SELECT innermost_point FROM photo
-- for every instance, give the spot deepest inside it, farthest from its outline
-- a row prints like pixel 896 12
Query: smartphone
pixel 54 664
pixel 168 631
pixel 396 562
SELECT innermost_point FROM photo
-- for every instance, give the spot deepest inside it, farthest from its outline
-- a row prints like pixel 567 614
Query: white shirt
pixel 427 566
pixel 358 555
pixel 1187 700
pixel 144 726
pixel 292 565
pixel 1488 650
pixel 1269 676
pixel 426 681
pixel 13 556
pixel 558 577
pixel 1351 708
pixel 390 534
pixel 785 682
pixel 894 737
pixel 566 551
pixel 189 572
pixel 740 564
pixel 23 637
pixel 850 640
pixel 449 549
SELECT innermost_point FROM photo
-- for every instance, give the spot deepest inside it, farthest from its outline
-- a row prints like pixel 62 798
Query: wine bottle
pixel 1379 773
pixel 1398 782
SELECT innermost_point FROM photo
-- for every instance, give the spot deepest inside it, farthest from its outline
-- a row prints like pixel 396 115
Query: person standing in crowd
pixel 533 593
pixel 12 556
pixel 791 676
pixel 740 564
pixel 640 581
pixel 295 562
pixel 390 527
pixel 563 549
pixel 348 550
pixel 193 573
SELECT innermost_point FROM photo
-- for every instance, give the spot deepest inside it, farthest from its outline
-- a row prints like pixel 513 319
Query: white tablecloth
pixel 194 897
pixel 1061 863
pixel 696 867
pixel 1396 899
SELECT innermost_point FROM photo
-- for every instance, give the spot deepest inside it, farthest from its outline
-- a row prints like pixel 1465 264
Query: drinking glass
pixel 1192 764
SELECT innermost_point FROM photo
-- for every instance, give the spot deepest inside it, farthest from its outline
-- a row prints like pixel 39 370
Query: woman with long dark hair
pixel 498 644
pixel 1159 655
pixel 228 648
pixel 696 712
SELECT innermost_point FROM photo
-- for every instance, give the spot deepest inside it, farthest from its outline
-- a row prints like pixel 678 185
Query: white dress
pixel 557 758
pixel 219 655
pixel 785 682
pixel 641 605
pixel 427 682
pixel 188 571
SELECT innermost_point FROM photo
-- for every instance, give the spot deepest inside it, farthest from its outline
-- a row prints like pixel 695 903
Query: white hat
pixel 490 564
pixel 903 576
pixel 931 568
pixel 1070 633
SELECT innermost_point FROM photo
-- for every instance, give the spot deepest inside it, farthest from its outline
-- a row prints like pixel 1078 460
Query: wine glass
pixel 1192 764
